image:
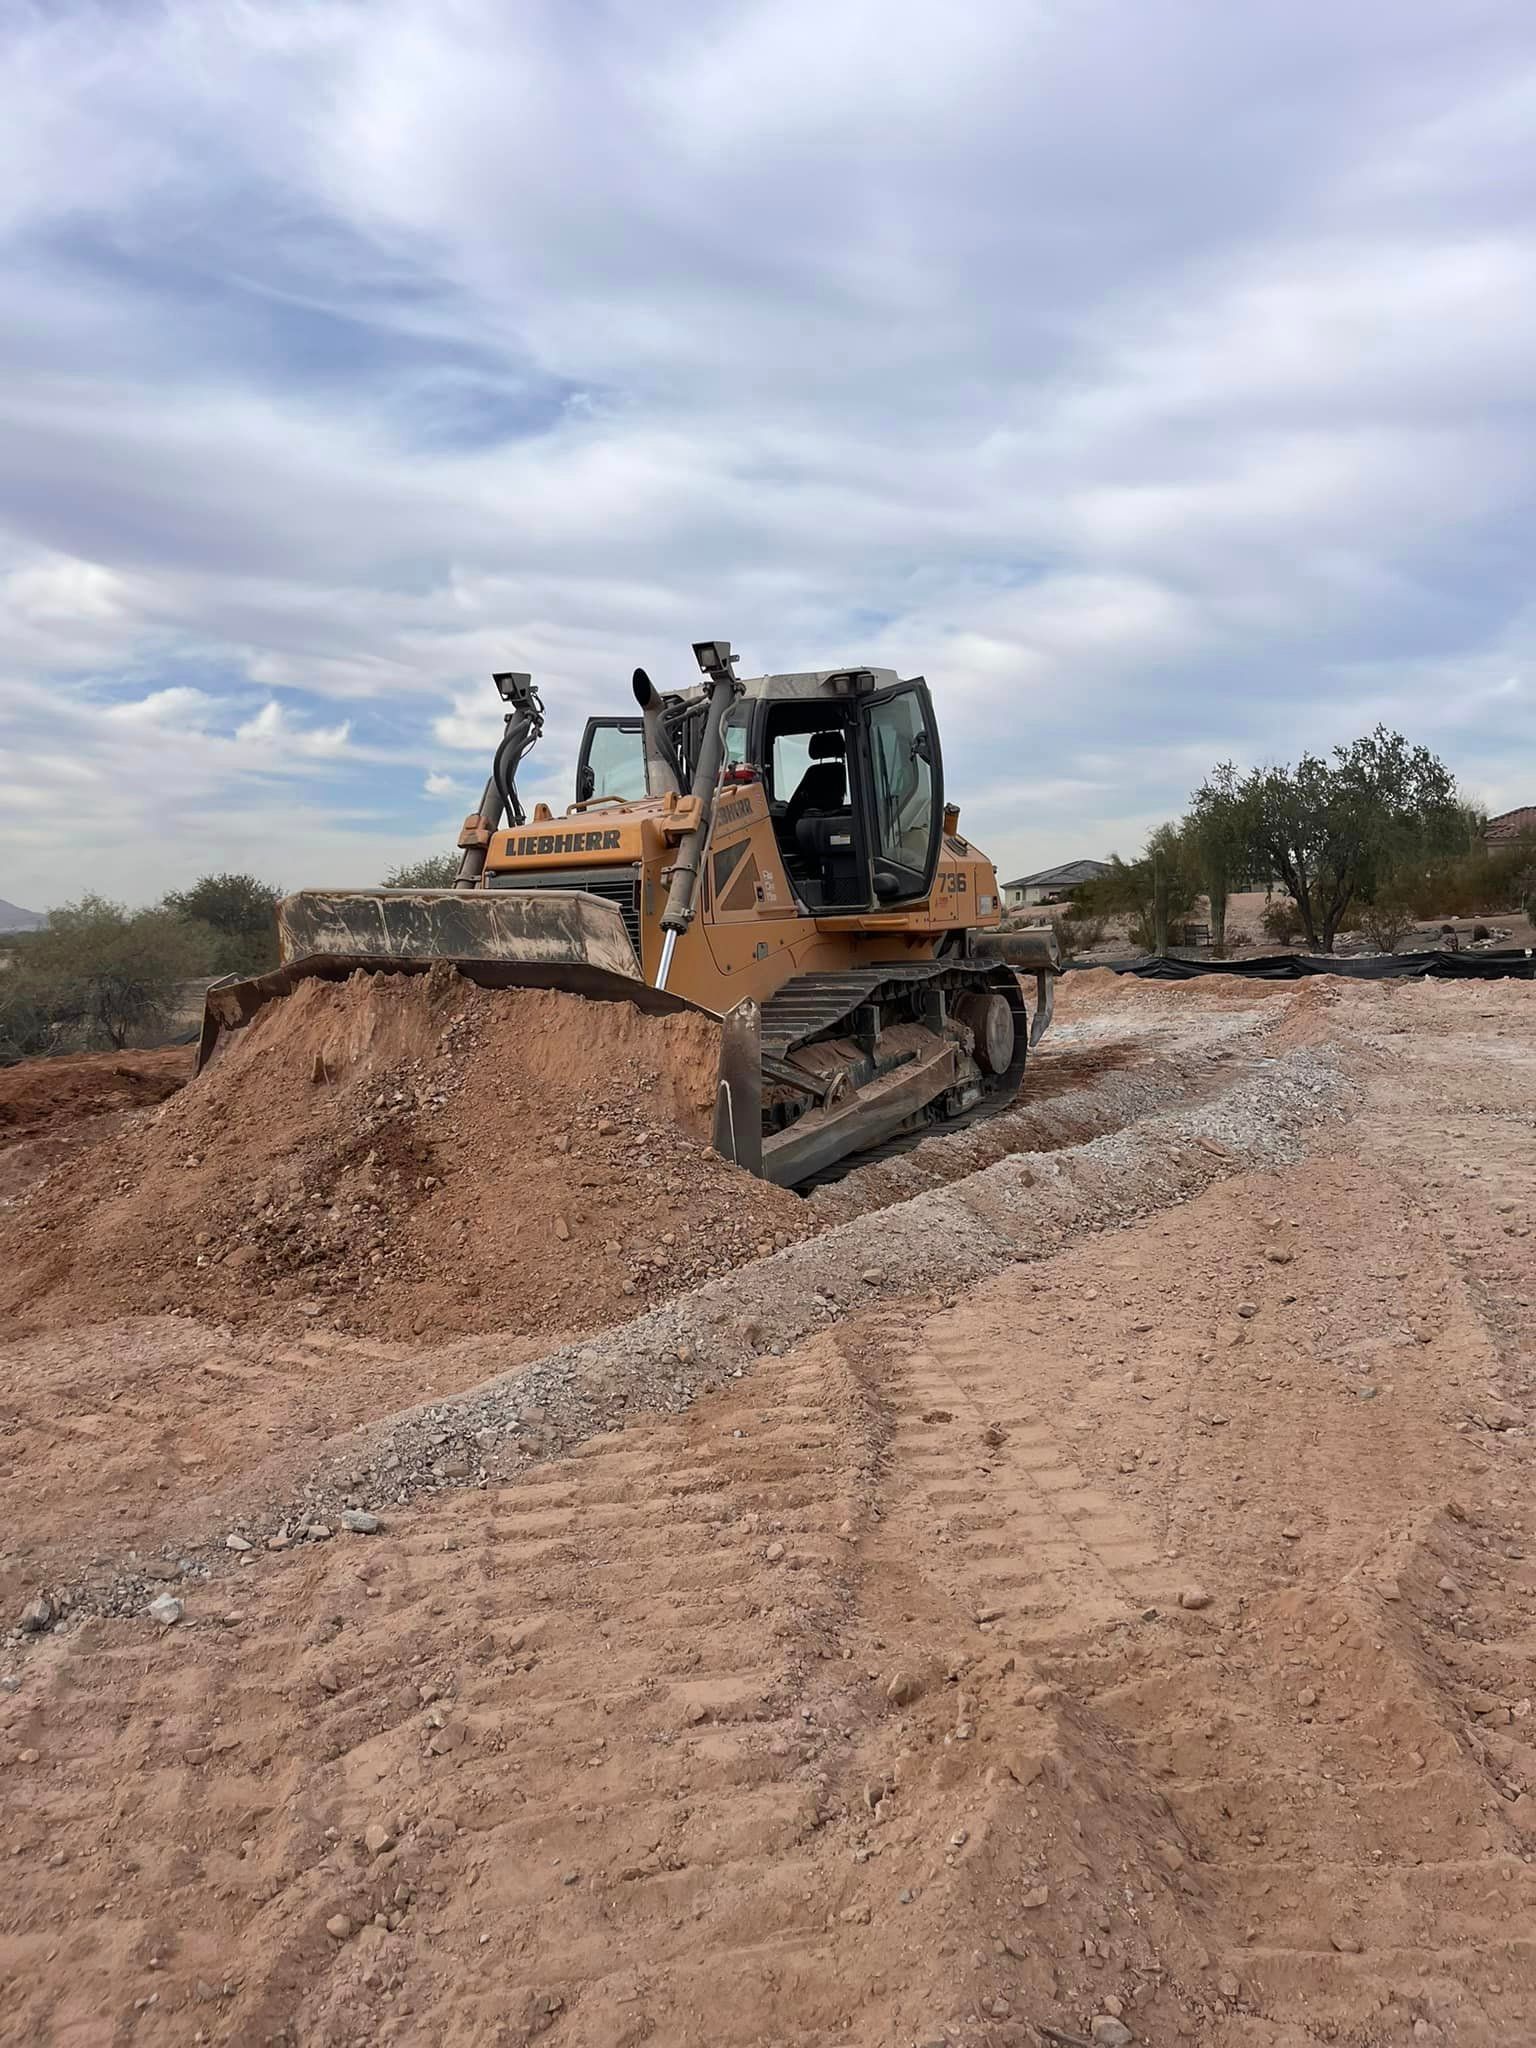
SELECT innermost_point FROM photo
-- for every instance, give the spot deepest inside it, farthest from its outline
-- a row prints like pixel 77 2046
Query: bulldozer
pixel 777 851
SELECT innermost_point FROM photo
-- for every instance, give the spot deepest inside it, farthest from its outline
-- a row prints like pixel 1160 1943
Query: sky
pixel 1157 378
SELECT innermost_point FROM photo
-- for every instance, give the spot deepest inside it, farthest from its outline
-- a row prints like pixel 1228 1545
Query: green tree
pixel 103 975
pixel 1334 831
pixel 27 1025
pixel 240 911
pixel 1151 893
pixel 1217 833
pixel 436 871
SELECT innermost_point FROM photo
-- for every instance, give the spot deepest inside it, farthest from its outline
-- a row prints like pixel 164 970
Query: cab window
pixel 613 762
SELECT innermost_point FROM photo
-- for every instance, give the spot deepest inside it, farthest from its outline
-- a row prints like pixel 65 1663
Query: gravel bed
pixel 1023 1207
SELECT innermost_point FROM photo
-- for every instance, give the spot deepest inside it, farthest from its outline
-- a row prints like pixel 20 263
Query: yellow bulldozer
pixel 776 851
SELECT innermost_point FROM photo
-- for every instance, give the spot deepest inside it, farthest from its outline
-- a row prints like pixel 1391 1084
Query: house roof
pixel 1064 877
pixel 1519 824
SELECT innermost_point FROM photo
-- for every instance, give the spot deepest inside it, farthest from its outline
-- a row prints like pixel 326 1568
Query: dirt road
pixel 1088 1592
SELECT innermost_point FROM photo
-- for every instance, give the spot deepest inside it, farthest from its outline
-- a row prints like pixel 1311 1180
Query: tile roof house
pixel 1509 826
pixel 1052 885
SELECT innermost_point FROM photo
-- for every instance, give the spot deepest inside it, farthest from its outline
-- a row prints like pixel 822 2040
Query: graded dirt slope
pixel 1134 1645
pixel 133 1437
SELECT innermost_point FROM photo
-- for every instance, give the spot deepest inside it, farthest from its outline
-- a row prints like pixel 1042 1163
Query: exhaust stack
pixel 663 770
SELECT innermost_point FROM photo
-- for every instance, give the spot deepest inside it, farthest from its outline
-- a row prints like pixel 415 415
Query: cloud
pixel 1159 381
pixel 172 710
pixel 273 727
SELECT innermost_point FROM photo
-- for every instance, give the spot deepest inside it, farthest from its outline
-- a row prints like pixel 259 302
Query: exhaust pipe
pixel 663 770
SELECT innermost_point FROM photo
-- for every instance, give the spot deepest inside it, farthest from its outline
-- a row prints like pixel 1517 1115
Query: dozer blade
pixel 547 925
pixel 502 938
pixel 497 938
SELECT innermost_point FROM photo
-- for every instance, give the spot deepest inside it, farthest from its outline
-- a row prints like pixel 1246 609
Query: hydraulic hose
pixel 524 724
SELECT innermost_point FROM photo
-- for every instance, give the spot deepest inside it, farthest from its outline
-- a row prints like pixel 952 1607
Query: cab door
pixel 612 760
pixel 902 773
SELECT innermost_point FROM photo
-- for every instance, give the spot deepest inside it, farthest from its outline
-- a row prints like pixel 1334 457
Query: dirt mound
pixel 1310 1018
pixel 41 1095
pixel 50 1108
pixel 1092 988
pixel 408 1156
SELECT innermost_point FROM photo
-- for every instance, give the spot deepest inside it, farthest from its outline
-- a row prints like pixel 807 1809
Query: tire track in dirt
pixel 728 1672
pixel 626 1656
pixel 1346 1761
pixel 1359 1854
pixel 671 1734
pixel 1022 1537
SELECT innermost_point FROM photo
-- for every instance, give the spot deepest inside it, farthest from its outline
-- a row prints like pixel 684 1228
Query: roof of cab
pixel 814 682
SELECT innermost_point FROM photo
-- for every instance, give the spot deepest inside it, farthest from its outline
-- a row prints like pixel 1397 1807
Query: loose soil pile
pixel 408 1156
pixel 1087 990
pixel 50 1108
pixel 42 1095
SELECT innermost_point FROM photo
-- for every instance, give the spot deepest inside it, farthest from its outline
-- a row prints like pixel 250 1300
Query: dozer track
pixel 905 1101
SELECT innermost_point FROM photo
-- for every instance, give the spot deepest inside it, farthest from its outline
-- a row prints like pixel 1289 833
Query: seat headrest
pixel 828 746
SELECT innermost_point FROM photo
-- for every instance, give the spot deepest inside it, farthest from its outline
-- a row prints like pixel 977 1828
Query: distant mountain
pixel 14 919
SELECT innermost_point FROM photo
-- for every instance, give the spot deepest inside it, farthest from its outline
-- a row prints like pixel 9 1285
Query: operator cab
pixel 850 768
pixel 854 783
pixel 612 758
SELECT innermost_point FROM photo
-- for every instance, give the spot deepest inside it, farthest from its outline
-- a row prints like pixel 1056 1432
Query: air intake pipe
pixel 716 660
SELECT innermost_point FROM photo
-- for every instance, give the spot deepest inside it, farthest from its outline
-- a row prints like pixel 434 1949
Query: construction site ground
pixel 1071 1582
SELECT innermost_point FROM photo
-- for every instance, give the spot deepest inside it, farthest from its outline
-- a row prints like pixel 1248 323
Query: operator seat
pixel 824 785
pixel 818 828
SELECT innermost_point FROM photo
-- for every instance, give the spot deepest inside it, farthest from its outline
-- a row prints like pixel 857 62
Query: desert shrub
pixel 240 913
pixel 436 871
pixel 27 1023
pixel 1475 882
pixel 1386 923
pixel 1077 935
pixel 1281 921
